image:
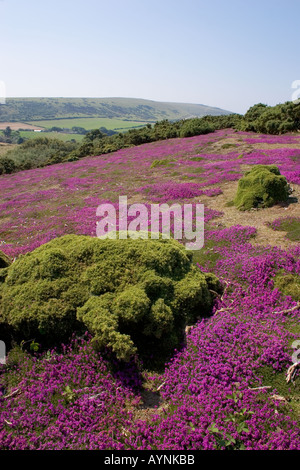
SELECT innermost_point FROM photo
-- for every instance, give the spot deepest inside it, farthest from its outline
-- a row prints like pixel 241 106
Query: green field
pixel 53 135
pixel 89 123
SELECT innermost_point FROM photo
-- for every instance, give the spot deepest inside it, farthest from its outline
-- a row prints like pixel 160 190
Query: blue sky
pixel 230 54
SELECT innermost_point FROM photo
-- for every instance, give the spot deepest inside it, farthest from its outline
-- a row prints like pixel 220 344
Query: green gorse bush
pixel 262 186
pixel 134 296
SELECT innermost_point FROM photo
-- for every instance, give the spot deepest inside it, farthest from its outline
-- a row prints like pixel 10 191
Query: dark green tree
pixel 7 132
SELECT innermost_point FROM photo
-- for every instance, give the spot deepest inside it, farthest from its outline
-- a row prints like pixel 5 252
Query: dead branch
pixel 223 309
pixel 279 398
pixel 291 372
pixel 8 422
pixel 289 310
pixel 225 290
pixel 161 385
pixel 215 293
pixel 266 387
pixel 12 394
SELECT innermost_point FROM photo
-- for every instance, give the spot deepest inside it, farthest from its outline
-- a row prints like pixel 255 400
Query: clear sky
pixel 225 53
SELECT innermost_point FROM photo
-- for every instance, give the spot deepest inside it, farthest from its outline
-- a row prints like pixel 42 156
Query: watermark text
pixel 296 94
pixel 138 221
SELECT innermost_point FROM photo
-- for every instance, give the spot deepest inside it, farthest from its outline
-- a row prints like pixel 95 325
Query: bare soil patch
pixel 257 218
pixel 151 404
pixel 230 144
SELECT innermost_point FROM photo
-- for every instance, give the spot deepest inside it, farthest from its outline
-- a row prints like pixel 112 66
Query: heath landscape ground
pixel 226 387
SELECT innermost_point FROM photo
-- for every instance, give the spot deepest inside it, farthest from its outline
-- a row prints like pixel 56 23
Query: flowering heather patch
pixel 38 205
pixel 284 222
pixel 275 140
pixel 65 400
pixel 287 160
pixel 220 365
pixel 288 224
pixel 227 388
pixel 170 191
pixel 210 386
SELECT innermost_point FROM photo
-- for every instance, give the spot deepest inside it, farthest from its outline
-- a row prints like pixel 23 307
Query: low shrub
pixel 262 186
pixel 134 296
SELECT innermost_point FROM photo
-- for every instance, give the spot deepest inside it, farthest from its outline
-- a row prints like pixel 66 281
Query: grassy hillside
pixel 34 109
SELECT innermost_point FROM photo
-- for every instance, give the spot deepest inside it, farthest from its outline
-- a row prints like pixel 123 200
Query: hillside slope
pixel 30 109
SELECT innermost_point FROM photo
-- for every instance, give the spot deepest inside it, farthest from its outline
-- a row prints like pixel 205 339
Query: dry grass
pixel 257 218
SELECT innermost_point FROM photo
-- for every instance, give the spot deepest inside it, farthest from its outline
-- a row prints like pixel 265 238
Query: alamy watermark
pixel 296 94
pixel 2 92
pixel 152 223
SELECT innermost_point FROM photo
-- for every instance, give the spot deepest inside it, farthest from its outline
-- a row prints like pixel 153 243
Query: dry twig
pixel 266 387
pixel 291 372
pixel 289 310
pixel 161 385
pixel 12 394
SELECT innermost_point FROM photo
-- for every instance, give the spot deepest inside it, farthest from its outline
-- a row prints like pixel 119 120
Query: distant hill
pixel 131 109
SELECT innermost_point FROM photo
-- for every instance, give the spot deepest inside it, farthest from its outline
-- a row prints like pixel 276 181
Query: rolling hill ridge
pixel 31 109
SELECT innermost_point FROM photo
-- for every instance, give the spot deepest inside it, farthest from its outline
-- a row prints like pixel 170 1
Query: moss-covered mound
pixel 132 295
pixel 262 186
